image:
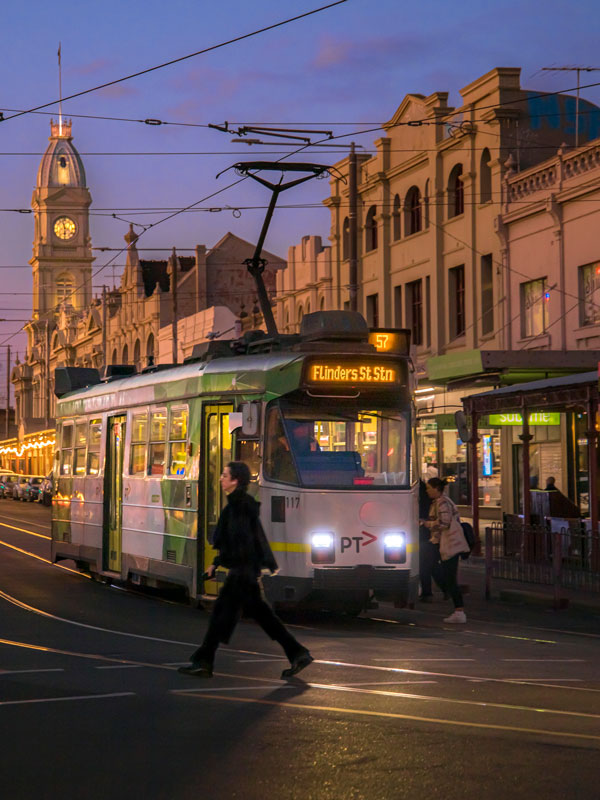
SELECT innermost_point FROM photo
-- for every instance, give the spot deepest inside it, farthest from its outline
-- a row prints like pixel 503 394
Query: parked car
pixel 32 489
pixel 46 490
pixel 19 487
pixel 7 482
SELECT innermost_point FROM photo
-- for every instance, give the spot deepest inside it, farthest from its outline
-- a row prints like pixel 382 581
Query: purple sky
pixel 353 63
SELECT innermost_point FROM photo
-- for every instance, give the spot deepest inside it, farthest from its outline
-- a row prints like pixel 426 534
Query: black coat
pixel 239 536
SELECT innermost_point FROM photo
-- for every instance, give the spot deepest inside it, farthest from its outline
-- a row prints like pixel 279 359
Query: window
pixel 94 439
pixel 373 310
pixel 158 430
pixel 279 464
pixel 65 287
pixel 136 355
pixel 534 307
pixel 125 359
pixel 396 228
pixel 345 239
pixel 412 211
pixel 426 203
pixel 66 453
pixel 139 447
pixel 398 306
pixel 485 178
pixel 371 230
pixel 589 292
pixel 487 294
pixel 114 359
pixel 150 351
pixel 456 282
pixel 456 192
pixel 81 430
pixel 178 431
pixel 428 310
pixel 414 310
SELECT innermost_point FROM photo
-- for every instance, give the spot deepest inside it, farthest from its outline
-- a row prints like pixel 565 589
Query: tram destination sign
pixel 363 372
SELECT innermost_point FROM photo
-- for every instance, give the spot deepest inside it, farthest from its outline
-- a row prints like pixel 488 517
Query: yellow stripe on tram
pixel 290 547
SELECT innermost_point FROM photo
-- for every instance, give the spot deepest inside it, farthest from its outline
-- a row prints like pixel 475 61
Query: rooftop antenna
pixel 59 93
pixel 578 70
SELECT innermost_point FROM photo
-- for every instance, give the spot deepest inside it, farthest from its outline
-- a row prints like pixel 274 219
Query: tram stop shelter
pixel 575 398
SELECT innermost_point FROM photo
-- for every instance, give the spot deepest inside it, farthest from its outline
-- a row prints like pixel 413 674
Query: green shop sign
pixel 535 418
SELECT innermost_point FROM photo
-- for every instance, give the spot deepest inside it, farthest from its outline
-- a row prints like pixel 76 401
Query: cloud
pixel 375 52
pixel 92 67
pixel 119 90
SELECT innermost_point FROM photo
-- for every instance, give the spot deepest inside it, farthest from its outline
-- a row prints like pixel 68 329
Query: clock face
pixel 65 228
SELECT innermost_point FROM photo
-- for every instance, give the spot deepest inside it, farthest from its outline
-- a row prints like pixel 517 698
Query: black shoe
pixel 199 669
pixel 297 664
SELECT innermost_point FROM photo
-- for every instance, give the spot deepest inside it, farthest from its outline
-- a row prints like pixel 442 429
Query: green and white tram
pixel 324 421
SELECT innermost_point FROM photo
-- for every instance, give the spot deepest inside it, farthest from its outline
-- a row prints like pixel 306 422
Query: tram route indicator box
pixel 394 341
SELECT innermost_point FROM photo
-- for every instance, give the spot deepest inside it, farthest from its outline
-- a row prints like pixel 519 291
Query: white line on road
pixel 545 660
pixel 62 699
pixel 259 660
pixel 120 666
pixel 423 659
pixel 23 671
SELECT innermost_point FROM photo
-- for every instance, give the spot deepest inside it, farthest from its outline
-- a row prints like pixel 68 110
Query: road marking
pixel 75 654
pixel 390 715
pixel 423 659
pixel 259 660
pixel 269 686
pixel 45 560
pixel 342 687
pixel 545 660
pixel 119 666
pixel 63 699
pixel 23 671
pixel 27 521
pixel 385 683
pixel 23 530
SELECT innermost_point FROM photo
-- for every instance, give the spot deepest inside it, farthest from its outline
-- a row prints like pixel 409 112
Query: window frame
pixel 183 407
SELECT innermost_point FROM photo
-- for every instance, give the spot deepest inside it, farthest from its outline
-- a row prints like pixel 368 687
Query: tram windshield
pixel 353 447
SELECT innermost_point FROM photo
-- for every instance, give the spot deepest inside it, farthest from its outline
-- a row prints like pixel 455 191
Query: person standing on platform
pixel 446 530
pixel 244 550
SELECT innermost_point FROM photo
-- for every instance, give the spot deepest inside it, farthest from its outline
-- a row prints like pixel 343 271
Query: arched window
pixel 308 307
pixel 322 304
pixel 371 230
pixel 65 287
pixel 456 192
pixel 300 315
pixel 426 202
pixel 485 178
pixel 413 222
pixel 287 321
pixel 396 230
pixel 346 239
pixel 136 355
pixel 114 359
pixel 150 351
pixel 125 358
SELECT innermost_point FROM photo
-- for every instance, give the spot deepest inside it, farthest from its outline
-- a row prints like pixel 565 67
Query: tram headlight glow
pixel 322 547
pixel 394 547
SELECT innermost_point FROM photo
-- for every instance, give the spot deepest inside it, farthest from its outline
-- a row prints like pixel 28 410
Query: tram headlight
pixel 322 547
pixel 394 547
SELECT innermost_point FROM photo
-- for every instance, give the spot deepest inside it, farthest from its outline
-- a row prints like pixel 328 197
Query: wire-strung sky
pixel 353 63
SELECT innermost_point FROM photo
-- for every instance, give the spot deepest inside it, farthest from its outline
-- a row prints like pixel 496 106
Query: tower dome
pixel 61 164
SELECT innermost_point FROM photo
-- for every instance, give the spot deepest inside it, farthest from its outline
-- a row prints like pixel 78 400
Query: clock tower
pixel 62 253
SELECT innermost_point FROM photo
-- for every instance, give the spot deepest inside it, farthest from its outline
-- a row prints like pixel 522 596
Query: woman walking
pixel 446 532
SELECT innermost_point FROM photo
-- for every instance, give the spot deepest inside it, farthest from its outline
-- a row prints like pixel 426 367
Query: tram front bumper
pixel 381 580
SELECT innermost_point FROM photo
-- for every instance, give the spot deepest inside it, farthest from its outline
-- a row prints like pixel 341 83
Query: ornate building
pixel 70 327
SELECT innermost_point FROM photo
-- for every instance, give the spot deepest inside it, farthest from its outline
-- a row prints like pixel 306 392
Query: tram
pixel 323 419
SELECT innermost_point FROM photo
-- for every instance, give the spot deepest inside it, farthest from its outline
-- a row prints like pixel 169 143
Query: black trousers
pixel 449 573
pixel 242 592
pixel 429 567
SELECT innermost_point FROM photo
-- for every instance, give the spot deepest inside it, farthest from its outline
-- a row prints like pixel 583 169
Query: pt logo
pixel 347 542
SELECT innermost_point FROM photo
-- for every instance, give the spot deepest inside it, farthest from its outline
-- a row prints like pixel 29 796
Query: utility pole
pixel 47 350
pixel 353 228
pixel 104 315
pixel 578 70
pixel 174 299
pixel 7 389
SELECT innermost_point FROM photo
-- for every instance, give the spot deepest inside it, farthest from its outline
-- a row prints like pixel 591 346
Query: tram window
pixel 139 447
pixel 279 464
pixel 158 430
pixel 93 455
pixel 66 462
pixel 81 434
pixel 177 441
pixel 67 435
pixel 80 461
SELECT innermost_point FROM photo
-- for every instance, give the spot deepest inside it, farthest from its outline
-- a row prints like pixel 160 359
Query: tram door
pixel 113 494
pixel 216 453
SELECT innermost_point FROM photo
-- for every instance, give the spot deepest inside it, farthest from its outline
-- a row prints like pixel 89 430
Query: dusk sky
pixel 353 63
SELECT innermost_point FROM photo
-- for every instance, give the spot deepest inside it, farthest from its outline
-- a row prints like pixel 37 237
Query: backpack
pixel 470 537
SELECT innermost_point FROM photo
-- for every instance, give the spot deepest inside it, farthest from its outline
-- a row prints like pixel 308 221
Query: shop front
pixel 30 455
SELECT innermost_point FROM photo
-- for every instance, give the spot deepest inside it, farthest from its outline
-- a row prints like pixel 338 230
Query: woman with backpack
pixel 446 531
